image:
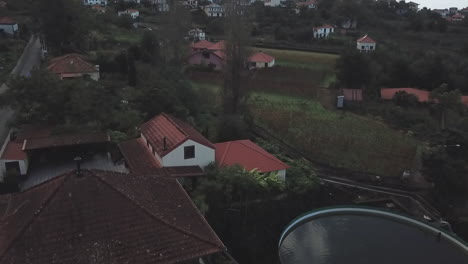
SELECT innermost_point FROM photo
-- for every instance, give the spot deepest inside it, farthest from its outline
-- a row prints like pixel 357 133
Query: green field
pixel 302 59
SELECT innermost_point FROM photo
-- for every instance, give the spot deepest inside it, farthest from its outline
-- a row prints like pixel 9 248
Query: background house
pixel 214 10
pixel 261 60
pixel 8 25
pixel 366 44
pixel 73 66
pixel 95 2
pixel 250 156
pixel 196 34
pixel 133 13
pixel 272 3
pixel 323 31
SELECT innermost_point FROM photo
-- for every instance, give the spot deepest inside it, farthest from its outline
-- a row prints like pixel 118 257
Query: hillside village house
pixel 105 217
pixel 99 9
pixel 133 13
pixel 8 25
pixel 366 44
pixel 191 4
pixel 311 4
pixel 323 31
pixel 458 18
pixel 214 10
pixel 196 34
pixel 212 54
pixel 250 156
pixel 73 66
pixel 261 60
pixel 95 2
pixel 169 143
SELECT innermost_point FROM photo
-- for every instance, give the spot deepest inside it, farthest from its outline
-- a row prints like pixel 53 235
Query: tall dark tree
pixel 65 24
pixel 149 46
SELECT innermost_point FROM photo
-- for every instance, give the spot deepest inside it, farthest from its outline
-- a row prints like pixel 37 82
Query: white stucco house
pixel 8 25
pixel 323 31
pixel 214 10
pixel 261 60
pixel 366 44
pixel 133 13
pixel 272 3
pixel 196 34
pixel 95 2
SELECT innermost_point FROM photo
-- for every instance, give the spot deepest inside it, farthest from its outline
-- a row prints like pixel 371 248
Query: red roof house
pixel 167 141
pixel 261 60
pixel 307 4
pixel 217 46
pixel 250 156
pixel 366 44
pixel 104 217
pixel 73 66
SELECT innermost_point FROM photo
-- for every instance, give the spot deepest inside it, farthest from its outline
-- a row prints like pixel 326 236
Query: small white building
pixel 13 160
pixel 214 10
pixel 196 34
pixel 95 2
pixel 190 4
pixel 133 13
pixel 323 31
pixel 261 60
pixel 8 25
pixel 366 44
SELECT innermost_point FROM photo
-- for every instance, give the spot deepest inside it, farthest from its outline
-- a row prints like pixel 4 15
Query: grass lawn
pixel 339 139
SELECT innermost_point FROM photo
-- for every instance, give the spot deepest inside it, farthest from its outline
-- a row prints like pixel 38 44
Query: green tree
pixel 149 45
pixel 65 24
pixel 445 100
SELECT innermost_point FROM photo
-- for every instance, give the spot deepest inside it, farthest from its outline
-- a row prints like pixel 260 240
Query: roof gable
pixel 366 39
pixel 247 154
pixel 71 63
pixel 261 57
pixel 109 217
pixel 174 131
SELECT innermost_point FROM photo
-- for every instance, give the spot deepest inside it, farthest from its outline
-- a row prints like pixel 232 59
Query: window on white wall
pixel 189 152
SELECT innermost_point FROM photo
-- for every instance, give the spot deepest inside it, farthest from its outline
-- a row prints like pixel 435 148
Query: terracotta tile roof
pixel 104 217
pixel 366 39
pixel 33 131
pixel 261 57
pixel 174 130
pixel 7 21
pixel 388 93
pixel 139 158
pixel 218 46
pixel 219 53
pixel 64 140
pixel 132 11
pixel 13 151
pixel 71 63
pixel 202 44
pixel 247 154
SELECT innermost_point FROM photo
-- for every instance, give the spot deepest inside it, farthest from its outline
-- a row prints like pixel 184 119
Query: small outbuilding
pixel 366 44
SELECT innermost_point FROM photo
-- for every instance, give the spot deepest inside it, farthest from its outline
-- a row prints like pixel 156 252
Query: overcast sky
pixel 440 4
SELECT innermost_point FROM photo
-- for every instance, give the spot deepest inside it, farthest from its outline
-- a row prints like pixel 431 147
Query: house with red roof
pixel 167 141
pixel 99 8
pixel 249 156
pixel 323 31
pixel 73 66
pixel 311 4
pixel 458 18
pixel 261 60
pixel 213 55
pixel 105 217
pixel 366 44
pixel 8 25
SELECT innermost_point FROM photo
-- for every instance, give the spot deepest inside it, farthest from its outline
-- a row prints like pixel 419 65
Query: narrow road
pixel 30 58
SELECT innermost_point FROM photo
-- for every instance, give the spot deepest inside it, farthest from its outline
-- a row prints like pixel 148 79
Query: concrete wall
pixel 323 32
pixel 200 59
pixel 203 156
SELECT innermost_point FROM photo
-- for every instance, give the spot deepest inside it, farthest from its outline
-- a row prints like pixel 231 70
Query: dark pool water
pixel 362 238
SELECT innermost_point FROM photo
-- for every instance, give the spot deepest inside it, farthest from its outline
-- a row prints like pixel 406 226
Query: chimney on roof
pixel 164 143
